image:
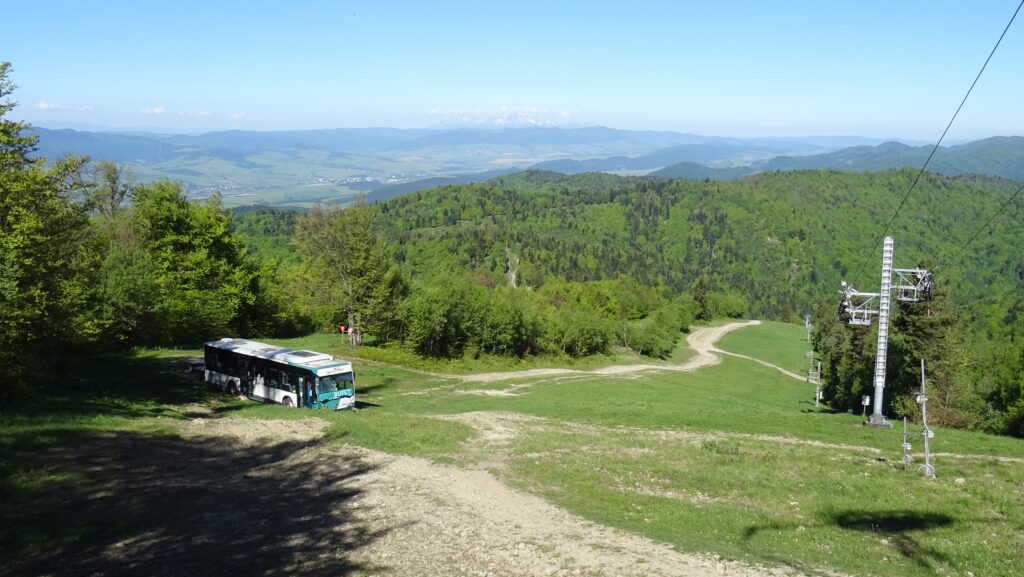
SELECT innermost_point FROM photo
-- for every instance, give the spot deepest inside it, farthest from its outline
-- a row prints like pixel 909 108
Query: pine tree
pixel 847 357
pixel 932 329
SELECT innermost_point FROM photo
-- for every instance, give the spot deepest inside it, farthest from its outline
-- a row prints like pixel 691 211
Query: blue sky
pixel 869 68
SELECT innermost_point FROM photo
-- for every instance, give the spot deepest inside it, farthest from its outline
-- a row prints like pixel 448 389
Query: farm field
pixel 727 469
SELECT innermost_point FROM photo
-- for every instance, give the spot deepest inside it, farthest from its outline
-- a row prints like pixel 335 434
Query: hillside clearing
pixel 723 471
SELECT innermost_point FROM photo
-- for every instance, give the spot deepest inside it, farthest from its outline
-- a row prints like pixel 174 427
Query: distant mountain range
pixel 998 156
pixel 299 167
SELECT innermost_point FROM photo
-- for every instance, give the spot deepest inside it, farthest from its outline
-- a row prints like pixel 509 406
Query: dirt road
pixel 230 496
pixel 423 518
pixel 702 340
pixel 434 519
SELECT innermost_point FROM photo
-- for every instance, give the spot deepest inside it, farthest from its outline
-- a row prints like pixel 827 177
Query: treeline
pixel 461 257
pixel 345 274
pixel 768 245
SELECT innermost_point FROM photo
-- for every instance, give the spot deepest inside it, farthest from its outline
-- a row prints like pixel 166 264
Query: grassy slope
pixel 743 464
pixel 781 344
pixel 732 459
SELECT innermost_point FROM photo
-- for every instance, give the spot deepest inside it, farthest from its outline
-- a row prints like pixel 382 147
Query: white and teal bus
pixel 274 374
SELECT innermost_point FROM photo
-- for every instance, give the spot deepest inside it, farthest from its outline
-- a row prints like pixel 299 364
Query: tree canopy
pixel 41 242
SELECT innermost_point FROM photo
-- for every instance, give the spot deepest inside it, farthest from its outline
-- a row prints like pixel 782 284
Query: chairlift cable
pixel 953 261
pixel 937 144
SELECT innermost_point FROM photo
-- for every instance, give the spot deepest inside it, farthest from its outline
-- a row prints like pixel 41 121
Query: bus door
pixel 292 386
pixel 309 390
pixel 259 382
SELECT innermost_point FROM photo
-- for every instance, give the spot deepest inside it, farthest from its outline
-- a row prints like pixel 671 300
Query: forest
pixel 531 263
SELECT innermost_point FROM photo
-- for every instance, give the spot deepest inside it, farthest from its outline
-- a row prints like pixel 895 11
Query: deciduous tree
pixel 345 264
pixel 202 272
pixel 41 234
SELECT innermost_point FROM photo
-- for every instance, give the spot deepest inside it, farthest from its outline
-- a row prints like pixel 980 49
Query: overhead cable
pixel 936 147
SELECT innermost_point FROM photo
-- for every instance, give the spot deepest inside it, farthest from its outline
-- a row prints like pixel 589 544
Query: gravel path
pixel 450 521
pixel 701 340
pixel 434 519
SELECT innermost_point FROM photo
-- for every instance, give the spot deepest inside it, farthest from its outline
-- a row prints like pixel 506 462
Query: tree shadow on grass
pixel 774 525
pixel 370 389
pixel 821 410
pixel 895 526
pixel 119 385
pixel 130 503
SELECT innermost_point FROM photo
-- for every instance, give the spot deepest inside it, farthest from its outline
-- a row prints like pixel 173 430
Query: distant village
pixel 363 183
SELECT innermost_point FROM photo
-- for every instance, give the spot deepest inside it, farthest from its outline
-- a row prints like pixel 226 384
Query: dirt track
pixel 701 340
pixel 251 497
pixel 433 519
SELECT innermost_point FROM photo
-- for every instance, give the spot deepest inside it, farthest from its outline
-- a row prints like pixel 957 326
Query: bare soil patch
pixel 269 497
pixel 426 518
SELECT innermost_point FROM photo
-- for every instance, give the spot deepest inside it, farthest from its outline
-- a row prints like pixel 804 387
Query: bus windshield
pixel 334 383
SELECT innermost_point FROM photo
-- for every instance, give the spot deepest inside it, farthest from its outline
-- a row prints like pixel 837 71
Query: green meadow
pixel 733 459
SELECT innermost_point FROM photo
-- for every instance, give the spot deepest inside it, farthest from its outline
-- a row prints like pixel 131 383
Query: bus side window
pixel 216 361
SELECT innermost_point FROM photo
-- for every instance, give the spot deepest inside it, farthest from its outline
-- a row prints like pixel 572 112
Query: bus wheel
pixel 233 388
pixel 287 402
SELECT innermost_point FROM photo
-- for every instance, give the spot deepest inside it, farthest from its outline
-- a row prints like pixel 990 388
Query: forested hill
pixel 780 240
pixel 1001 156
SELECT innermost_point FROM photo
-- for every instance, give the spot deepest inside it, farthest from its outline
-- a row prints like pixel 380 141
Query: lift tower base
pixel 878 422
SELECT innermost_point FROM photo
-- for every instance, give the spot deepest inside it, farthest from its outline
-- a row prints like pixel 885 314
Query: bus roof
pixel 301 358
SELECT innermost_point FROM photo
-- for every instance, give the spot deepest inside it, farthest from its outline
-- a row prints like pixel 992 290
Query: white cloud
pixel 156 110
pixel 44 105
pixel 502 116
